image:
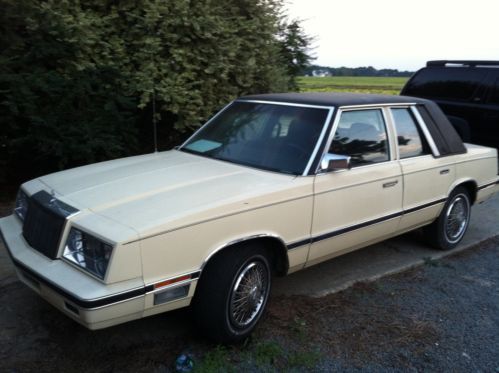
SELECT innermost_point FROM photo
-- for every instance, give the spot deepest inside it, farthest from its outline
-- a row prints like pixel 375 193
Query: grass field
pixel 359 84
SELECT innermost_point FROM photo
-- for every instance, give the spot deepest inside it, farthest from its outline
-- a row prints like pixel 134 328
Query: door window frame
pixel 418 120
pixel 392 155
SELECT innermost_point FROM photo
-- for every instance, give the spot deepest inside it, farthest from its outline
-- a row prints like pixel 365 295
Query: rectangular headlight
pixel 88 252
pixel 21 208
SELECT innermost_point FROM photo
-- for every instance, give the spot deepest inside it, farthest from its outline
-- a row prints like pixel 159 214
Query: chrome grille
pixel 44 223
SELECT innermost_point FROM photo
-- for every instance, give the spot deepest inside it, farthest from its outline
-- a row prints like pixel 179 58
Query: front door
pixel 355 207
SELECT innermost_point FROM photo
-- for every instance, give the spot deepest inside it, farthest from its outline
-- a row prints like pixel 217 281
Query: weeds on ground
pixel 214 361
pixel 266 353
pixel 264 356
pixel 299 327
pixel 303 359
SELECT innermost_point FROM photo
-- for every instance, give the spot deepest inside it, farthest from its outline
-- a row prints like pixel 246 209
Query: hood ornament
pixel 53 199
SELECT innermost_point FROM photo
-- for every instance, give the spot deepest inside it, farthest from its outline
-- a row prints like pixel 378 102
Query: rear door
pixel 427 177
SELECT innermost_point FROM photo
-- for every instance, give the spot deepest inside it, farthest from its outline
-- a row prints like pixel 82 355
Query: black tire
pixel 224 314
pixel 447 231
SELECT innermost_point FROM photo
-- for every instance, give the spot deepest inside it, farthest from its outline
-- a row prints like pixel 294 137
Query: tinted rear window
pixel 447 82
pixel 494 94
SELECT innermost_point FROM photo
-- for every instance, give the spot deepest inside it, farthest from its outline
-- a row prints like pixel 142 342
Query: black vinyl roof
pixel 333 98
pixel 443 133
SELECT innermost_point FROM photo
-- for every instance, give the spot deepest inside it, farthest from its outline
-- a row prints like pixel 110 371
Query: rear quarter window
pixel 446 83
pixel 410 138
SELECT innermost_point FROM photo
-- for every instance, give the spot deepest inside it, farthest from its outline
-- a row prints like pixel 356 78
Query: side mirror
pixel 335 162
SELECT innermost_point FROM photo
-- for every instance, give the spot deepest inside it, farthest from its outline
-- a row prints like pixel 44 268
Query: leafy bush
pixel 78 78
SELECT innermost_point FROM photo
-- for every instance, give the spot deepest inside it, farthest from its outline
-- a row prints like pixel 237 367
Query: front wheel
pixel 448 230
pixel 232 293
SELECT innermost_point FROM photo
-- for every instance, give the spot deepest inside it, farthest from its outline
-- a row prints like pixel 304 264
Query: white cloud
pixel 399 34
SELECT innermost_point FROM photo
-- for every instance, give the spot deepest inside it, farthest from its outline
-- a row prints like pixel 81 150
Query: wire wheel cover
pixel 456 218
pixel 249 294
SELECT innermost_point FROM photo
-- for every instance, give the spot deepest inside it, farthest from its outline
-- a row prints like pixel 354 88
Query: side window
pixel 494 94
pixel 410 138
pixel 361 134
pixel 457 83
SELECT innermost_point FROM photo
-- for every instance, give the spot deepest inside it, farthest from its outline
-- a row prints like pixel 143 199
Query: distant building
pixel 321 73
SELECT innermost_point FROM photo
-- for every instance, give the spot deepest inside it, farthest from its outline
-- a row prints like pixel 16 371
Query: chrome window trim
pixel 285 103
pixel 375 106
pixel 388 131
pixel 394 129
pixel 329 140
pixel 426 133
pixel 424 156
pixel 340 111
pixel 319 142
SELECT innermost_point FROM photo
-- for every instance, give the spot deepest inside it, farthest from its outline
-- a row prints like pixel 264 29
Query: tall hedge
pixel 78 78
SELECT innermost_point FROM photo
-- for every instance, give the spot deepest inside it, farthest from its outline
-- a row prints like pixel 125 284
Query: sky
pixel 398 34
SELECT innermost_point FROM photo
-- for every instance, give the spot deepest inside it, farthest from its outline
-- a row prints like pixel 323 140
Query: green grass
pixel 357 84
pixel 265 355
pixel 215 361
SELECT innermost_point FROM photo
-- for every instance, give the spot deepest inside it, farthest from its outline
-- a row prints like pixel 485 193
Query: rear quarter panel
pixel 479 164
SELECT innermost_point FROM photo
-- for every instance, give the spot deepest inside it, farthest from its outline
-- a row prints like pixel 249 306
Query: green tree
pixel 295 50
pixel 52 114
pixel 78 77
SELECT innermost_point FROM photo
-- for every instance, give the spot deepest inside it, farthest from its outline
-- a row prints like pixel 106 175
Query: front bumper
pixel 91 303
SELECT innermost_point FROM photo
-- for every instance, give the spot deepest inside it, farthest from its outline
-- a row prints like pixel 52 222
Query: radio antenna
pixel 154 121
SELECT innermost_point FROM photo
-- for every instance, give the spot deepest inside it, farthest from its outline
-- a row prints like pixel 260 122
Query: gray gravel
pixel 447 313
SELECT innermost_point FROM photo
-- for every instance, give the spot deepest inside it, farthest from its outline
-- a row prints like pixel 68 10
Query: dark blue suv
pixel 467 92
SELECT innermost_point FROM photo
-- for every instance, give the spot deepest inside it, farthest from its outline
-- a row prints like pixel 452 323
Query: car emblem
pixel 53 199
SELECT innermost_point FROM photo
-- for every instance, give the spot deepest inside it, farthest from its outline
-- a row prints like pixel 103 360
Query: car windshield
pixel 267 136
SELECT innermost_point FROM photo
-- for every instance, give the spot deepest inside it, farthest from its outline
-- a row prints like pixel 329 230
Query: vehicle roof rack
pixel 470 63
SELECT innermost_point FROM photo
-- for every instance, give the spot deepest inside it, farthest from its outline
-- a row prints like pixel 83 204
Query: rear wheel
pixel 448 230
pixel 233 292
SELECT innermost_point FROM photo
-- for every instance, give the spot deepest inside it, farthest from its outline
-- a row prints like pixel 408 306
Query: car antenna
pixel 154 121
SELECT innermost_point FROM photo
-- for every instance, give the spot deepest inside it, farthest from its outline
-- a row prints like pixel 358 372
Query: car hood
pixel 167 190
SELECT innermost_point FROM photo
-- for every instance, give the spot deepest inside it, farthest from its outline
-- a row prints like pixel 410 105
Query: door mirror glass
pixel 335 162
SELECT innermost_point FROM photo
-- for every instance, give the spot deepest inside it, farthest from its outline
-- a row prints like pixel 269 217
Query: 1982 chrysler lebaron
pixel 270 185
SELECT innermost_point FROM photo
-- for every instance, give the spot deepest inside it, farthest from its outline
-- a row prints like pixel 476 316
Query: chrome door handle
pixel 444 171
pixel 390 184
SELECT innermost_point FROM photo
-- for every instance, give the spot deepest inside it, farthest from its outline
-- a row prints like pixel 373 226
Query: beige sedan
pixel 270 185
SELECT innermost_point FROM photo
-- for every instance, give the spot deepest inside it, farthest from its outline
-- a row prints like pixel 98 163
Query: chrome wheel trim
pixel 249 294
pixel 457 218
